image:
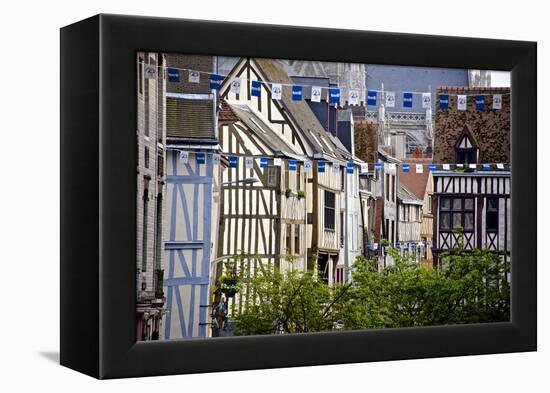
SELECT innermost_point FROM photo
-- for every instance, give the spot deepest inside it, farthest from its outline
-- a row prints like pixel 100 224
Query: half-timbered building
pixel 192 174
pixel 473 195
pixel 314 222
pixel 409 223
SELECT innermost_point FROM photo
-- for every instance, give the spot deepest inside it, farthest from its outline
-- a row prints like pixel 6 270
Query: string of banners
pixel 175 75
pixel 350 167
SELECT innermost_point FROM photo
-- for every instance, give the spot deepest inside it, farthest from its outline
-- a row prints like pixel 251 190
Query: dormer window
pixel 466 149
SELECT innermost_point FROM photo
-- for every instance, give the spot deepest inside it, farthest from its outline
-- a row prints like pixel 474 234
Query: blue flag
pixel 443 101
pixel 349 168
pixel 406 168
pixel 264 162
pixel 291 165
pixel 173 75
pixel 216 81
pixel 200 158
pixel 233 161
pixel 407 100
pixel 378 166
pixel 371 97
pixel 296 93
pixel 256 89
pixel 334 93
pixel 321 166
pixel 486 167
pixel 432 167
pixel 480 103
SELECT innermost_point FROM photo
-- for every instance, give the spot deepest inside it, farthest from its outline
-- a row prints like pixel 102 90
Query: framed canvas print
pixel 238 196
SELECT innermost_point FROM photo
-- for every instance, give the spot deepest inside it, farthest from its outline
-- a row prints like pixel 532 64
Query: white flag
pixel 316 94
pixel 446 167
pixel 307 166
pixel 426 100
pixel 194 76
pixel 460 165
pixel 497 101
pixel 235 86
pixel 150 71
pixel 353 97
pixel 216 159
pixel 472 166
pixel 390 99
pixel 335 167
pixel 419 168
pixel 277 162
pixel 276 91
pixel 500 166
pixel 461 102
pixel 364 168
pixel 391 167
pixel 249 162
pixel 184 157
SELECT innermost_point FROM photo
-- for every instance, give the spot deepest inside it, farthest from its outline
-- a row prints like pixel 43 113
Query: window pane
pixel 468 204
pixel 445 204
pixel 492 204
pixel 457 220
pixel 445 221
pixel 457 204
pixel 469 221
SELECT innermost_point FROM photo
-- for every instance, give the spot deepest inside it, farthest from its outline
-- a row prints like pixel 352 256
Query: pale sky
pixel 500 79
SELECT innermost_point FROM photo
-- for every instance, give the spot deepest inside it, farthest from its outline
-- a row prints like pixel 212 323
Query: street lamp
pixel 248 180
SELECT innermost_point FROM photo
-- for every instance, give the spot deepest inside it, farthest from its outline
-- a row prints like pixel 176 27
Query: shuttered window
pixel 330 210
pixel 186 118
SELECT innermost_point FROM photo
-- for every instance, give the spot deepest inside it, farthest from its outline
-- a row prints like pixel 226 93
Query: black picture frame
pixel 98 186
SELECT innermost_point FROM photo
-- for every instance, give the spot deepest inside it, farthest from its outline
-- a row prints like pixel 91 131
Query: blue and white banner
pixel 316 93
pixel 276 91
pixel 173 75
pixel 296 93
pixel 292 165
pixel 426 100
pixel 443 101
pixel 256 89
pixel 480 102
pixel 371 97
pixel 233 161
pixel 349 167
pixel 407 100
pixel 194 76
pixel 216 81
pixel 390 99
pixel 235 86
pixel 406 168
pixel 378 166
pixel 432 167
pixel 264 162
pixel 486 167
pixel 334 95
pixel 321 166
pixel 200 158
pixel 460 166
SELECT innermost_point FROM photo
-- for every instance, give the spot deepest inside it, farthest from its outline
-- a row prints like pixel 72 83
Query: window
pixel 430 204
pixel 158 232
pixel 140 75
pixel 330 210
pixel 288 246
pixel 465 148
pixel 296 239
pixel 272 179
pixel 392 188
pixel 342 230
pixel 456 213
pixel 146 157
pixel 387 178
pixel 160 165
pixel 491 215
pixel 145 213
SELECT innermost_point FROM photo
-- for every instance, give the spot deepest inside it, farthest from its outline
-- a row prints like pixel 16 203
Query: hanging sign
pixel 426 100
pixel 446 167
pixel 378 166
pixel 264 162
pixel 364 168
pixel 173 75
pixel 296 93
pixel 321 166
pixel 256 89
pixel 406 168
pixel 215 81
pixel 235 86
pixel 334 95
pixel 194 76
pixel 316 94
pixel 277 162
pixel 307 166
pixel 150 71
pixel 292 165
pixel 276 91
pixel 335 167
pixel 461 102
pixel 390 99
pixel 249 162
pixel 500 166
pixel 432 167
pixel 353 97
pixel 480 102
pixel 349 168
pixel 184 157
pixel 419 168
pixel 371 97
pixel 443 101
pixel 215 159
pixel 497 101
pixel 200 158
pixel 233 161
pixel 407 100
